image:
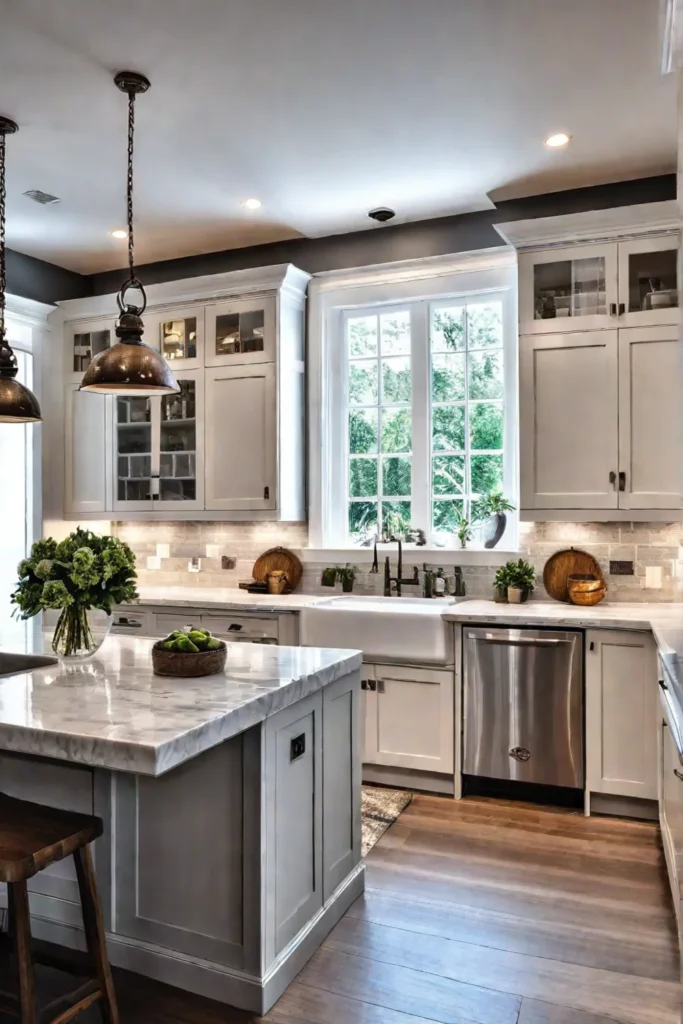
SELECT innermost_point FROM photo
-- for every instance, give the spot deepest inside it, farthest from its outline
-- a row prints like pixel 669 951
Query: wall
pixel 387 243
pixel 643 543
pixel 31 278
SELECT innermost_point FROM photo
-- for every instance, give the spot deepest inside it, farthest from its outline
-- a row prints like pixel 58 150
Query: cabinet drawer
pixel 234 626
pixel 164 623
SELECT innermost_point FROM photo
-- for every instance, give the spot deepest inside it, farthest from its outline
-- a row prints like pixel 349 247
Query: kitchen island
pixel 231 807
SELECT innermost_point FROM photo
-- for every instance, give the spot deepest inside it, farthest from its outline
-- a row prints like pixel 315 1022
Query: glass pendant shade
pixel 130 367
pixel 17 403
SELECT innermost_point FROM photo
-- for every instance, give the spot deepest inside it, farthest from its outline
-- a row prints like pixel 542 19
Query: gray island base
pixel 232 842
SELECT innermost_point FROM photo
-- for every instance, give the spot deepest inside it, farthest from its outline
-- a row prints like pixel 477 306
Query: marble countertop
pixel 230 598
pixel 112 712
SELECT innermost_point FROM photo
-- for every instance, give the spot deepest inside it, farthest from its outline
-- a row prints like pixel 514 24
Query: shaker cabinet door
pixel 241 438
pixel 410 720
pixel 650 418
pixel 569 420
pixel 86 460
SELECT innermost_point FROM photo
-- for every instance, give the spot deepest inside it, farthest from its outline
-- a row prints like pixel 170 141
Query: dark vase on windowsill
pixel 493 529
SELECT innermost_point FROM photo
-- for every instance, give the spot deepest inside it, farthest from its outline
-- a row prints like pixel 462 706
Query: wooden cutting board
pixel 566 563
pixel 282 559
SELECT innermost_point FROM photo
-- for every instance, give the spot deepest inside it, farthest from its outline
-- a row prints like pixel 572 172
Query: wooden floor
pixel 481 911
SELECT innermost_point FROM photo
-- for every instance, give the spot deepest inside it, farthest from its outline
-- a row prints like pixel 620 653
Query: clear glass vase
pixel 80 632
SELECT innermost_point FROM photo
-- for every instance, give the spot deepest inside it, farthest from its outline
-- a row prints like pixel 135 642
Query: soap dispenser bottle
pixel 439 584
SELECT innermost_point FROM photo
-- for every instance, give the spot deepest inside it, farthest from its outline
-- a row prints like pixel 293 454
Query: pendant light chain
pixel 131 143
pixel 3 198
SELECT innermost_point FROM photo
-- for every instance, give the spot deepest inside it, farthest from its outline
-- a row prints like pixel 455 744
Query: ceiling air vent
pixel 44 198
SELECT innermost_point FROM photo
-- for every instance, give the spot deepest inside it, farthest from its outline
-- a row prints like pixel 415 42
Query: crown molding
pixel 285 278
pixel 593 226
pixel 495 258
pixel 28 311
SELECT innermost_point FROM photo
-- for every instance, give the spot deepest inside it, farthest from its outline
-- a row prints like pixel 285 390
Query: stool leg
pixel 20 922
pixel 94 932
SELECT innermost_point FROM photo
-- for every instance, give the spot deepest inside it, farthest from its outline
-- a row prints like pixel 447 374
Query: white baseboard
pixel 407 778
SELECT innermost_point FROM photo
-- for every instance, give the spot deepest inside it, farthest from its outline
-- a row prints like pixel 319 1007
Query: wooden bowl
pixel 587 598
pixel 187 665
pixel 584 584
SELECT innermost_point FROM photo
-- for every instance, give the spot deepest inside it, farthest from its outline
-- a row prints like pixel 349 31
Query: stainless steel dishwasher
pixel 523 705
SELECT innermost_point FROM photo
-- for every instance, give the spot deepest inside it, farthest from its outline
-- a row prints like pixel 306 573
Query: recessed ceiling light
pixel 558 140
pixel 252 204
pixel 119 233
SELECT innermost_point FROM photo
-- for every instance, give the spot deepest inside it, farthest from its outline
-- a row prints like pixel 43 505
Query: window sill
pixel 412 555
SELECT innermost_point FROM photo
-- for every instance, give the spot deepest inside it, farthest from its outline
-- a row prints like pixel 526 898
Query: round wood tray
pixel 282 559
pixel 187 665
pixel 561 565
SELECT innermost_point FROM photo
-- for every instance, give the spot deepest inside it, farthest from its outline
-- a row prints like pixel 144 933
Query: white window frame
pixel 333 296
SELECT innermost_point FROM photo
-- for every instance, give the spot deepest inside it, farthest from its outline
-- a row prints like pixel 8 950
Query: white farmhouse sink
pixel 383 628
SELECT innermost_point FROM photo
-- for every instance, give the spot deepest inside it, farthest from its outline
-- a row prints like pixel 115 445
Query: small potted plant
pixel 501 583
pixel 520 581
pixel 464 531
pixel 493 508
pixel 347 575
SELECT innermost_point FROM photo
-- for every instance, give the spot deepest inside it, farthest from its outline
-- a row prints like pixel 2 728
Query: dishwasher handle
pixel 511 641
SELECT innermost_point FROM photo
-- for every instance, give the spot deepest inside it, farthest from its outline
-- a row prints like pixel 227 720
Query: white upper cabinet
pixel 648 290
pixel 179 335
pixel 568 289
pixel 231 444
pixel 86 472
pixel 241 331
pixel 569 440
pixel 241 447
pixel 650 446
pixel 83 340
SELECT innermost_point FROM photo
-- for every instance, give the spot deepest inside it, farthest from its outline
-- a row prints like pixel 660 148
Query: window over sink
pixel 421 411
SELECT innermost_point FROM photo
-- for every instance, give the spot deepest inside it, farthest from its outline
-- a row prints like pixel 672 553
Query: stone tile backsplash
pixel 645 544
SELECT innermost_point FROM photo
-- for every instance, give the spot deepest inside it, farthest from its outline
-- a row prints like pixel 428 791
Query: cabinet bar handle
pixel 663 684
pixel 266 493
pixel 591 645
pixel 622 309
pixel 679 775
pixel 622 481
pixel 612 309
pixel 613 479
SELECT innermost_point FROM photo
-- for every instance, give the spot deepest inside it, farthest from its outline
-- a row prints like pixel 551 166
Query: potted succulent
pixel 464 531
pixel 521 577
pixel 83 575
pixel 492 509
pixel 347 575
pixel 501 582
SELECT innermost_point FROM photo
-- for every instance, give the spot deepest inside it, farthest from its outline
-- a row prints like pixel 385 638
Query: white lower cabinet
pixel 621 713
pixel 409 717
pixel 670 787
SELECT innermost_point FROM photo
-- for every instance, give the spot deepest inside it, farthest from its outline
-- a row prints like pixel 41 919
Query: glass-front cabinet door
pixel 159 449
pixel 568 289
pixel 242 331
pixel 179 336
pixel 84 341
pixel 648 285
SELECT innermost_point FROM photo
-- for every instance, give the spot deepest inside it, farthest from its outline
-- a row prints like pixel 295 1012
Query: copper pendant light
pixel 17 403
pixel 130 367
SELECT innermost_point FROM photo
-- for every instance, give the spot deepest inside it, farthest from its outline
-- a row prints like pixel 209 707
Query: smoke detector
pixel 44 198
pixel 382 214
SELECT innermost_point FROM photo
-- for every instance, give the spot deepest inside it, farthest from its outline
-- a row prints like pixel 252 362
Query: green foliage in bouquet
pixel 83 571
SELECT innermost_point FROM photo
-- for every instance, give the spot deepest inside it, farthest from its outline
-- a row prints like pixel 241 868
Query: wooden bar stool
pixel 31 838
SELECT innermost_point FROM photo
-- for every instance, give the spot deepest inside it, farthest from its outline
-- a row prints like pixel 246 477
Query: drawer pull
pixel 679 775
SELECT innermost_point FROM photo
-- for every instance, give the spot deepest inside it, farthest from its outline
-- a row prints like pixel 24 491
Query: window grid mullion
pixel 468 463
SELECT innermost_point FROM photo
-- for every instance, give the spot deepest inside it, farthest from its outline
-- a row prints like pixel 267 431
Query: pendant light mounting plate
pixel 7 126
pixel 131 82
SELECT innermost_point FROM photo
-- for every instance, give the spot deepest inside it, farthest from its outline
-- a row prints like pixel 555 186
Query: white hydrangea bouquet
pixel 82 572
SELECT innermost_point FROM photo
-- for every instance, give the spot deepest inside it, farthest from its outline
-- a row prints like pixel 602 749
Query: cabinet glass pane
pixel 240 332
pixel 87 345
pixel 652 280
pixel 134 449
pixel 179 338
pixel 570 288
pixel 177 467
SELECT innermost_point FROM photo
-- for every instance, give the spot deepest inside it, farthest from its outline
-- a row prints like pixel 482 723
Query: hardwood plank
pixel 645 954
pixel 411 991
pixel 302 1004
pixel 630 999
pixel 535 1012
pixel 440 878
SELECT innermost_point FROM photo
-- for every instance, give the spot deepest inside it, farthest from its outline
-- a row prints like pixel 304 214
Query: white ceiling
pixel 321 108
